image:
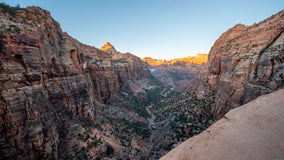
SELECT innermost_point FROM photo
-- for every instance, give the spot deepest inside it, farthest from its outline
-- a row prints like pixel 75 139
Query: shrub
pixel 13 29
pixel 9 9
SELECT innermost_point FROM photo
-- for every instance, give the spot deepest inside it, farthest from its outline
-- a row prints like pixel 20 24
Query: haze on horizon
pixel 161 29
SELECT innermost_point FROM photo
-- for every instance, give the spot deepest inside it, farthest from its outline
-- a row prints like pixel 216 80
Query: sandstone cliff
pixel 48 78
pixel 253 131
pixel 244 63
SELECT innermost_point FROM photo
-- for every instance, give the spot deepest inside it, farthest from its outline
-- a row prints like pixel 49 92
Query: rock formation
pixel 108 47
pixel 252 131
pixel 244 63
pixel 48 78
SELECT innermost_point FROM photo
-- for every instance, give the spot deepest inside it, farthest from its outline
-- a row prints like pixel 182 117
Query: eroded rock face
pixel 253 131
pixel 246 62
pixel 48 78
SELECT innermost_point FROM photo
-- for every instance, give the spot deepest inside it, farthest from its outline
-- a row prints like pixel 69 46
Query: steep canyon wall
pixel 244 63
pixel 48 78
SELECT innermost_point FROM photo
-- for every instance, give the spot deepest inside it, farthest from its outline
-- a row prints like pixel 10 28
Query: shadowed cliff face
pixel 48 78
pixel 244 63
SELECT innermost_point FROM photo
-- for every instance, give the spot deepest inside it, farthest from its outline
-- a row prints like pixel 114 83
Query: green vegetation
pixel 81 140
pixel 186 116
pixel 153 96
pixel 13 29
pixel 134 104
pixel 89 58
pixel 9 9
pixel 177 76
pixel 120 61
pixel 139 128
pixel 137 103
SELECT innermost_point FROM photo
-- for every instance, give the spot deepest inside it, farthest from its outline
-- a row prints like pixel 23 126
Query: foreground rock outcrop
pixel 49 79
pixel 252 131
pixel 244 63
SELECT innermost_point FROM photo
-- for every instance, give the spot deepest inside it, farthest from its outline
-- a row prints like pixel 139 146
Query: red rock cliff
pixel 47 78
pixel 246 62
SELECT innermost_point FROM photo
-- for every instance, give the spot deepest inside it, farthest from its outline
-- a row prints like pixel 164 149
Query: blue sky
pixel 157 28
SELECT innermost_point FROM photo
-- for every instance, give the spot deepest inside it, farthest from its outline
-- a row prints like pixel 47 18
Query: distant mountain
pixel 177 72
pixel 108 47
pixel 198 59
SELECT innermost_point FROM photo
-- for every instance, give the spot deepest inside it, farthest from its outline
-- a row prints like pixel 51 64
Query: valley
pixel 61 99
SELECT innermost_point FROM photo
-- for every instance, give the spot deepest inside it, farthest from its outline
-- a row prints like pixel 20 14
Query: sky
pixel 162 29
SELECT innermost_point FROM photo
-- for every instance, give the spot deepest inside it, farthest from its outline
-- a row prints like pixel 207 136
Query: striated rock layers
pixel 244 63
pixel 253 131
pixel 48 78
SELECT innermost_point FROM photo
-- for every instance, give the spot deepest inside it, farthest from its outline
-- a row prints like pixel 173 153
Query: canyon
pixel 61 99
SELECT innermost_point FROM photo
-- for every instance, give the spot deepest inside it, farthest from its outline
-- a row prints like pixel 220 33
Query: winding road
pixel 152 117
pixel 153 129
